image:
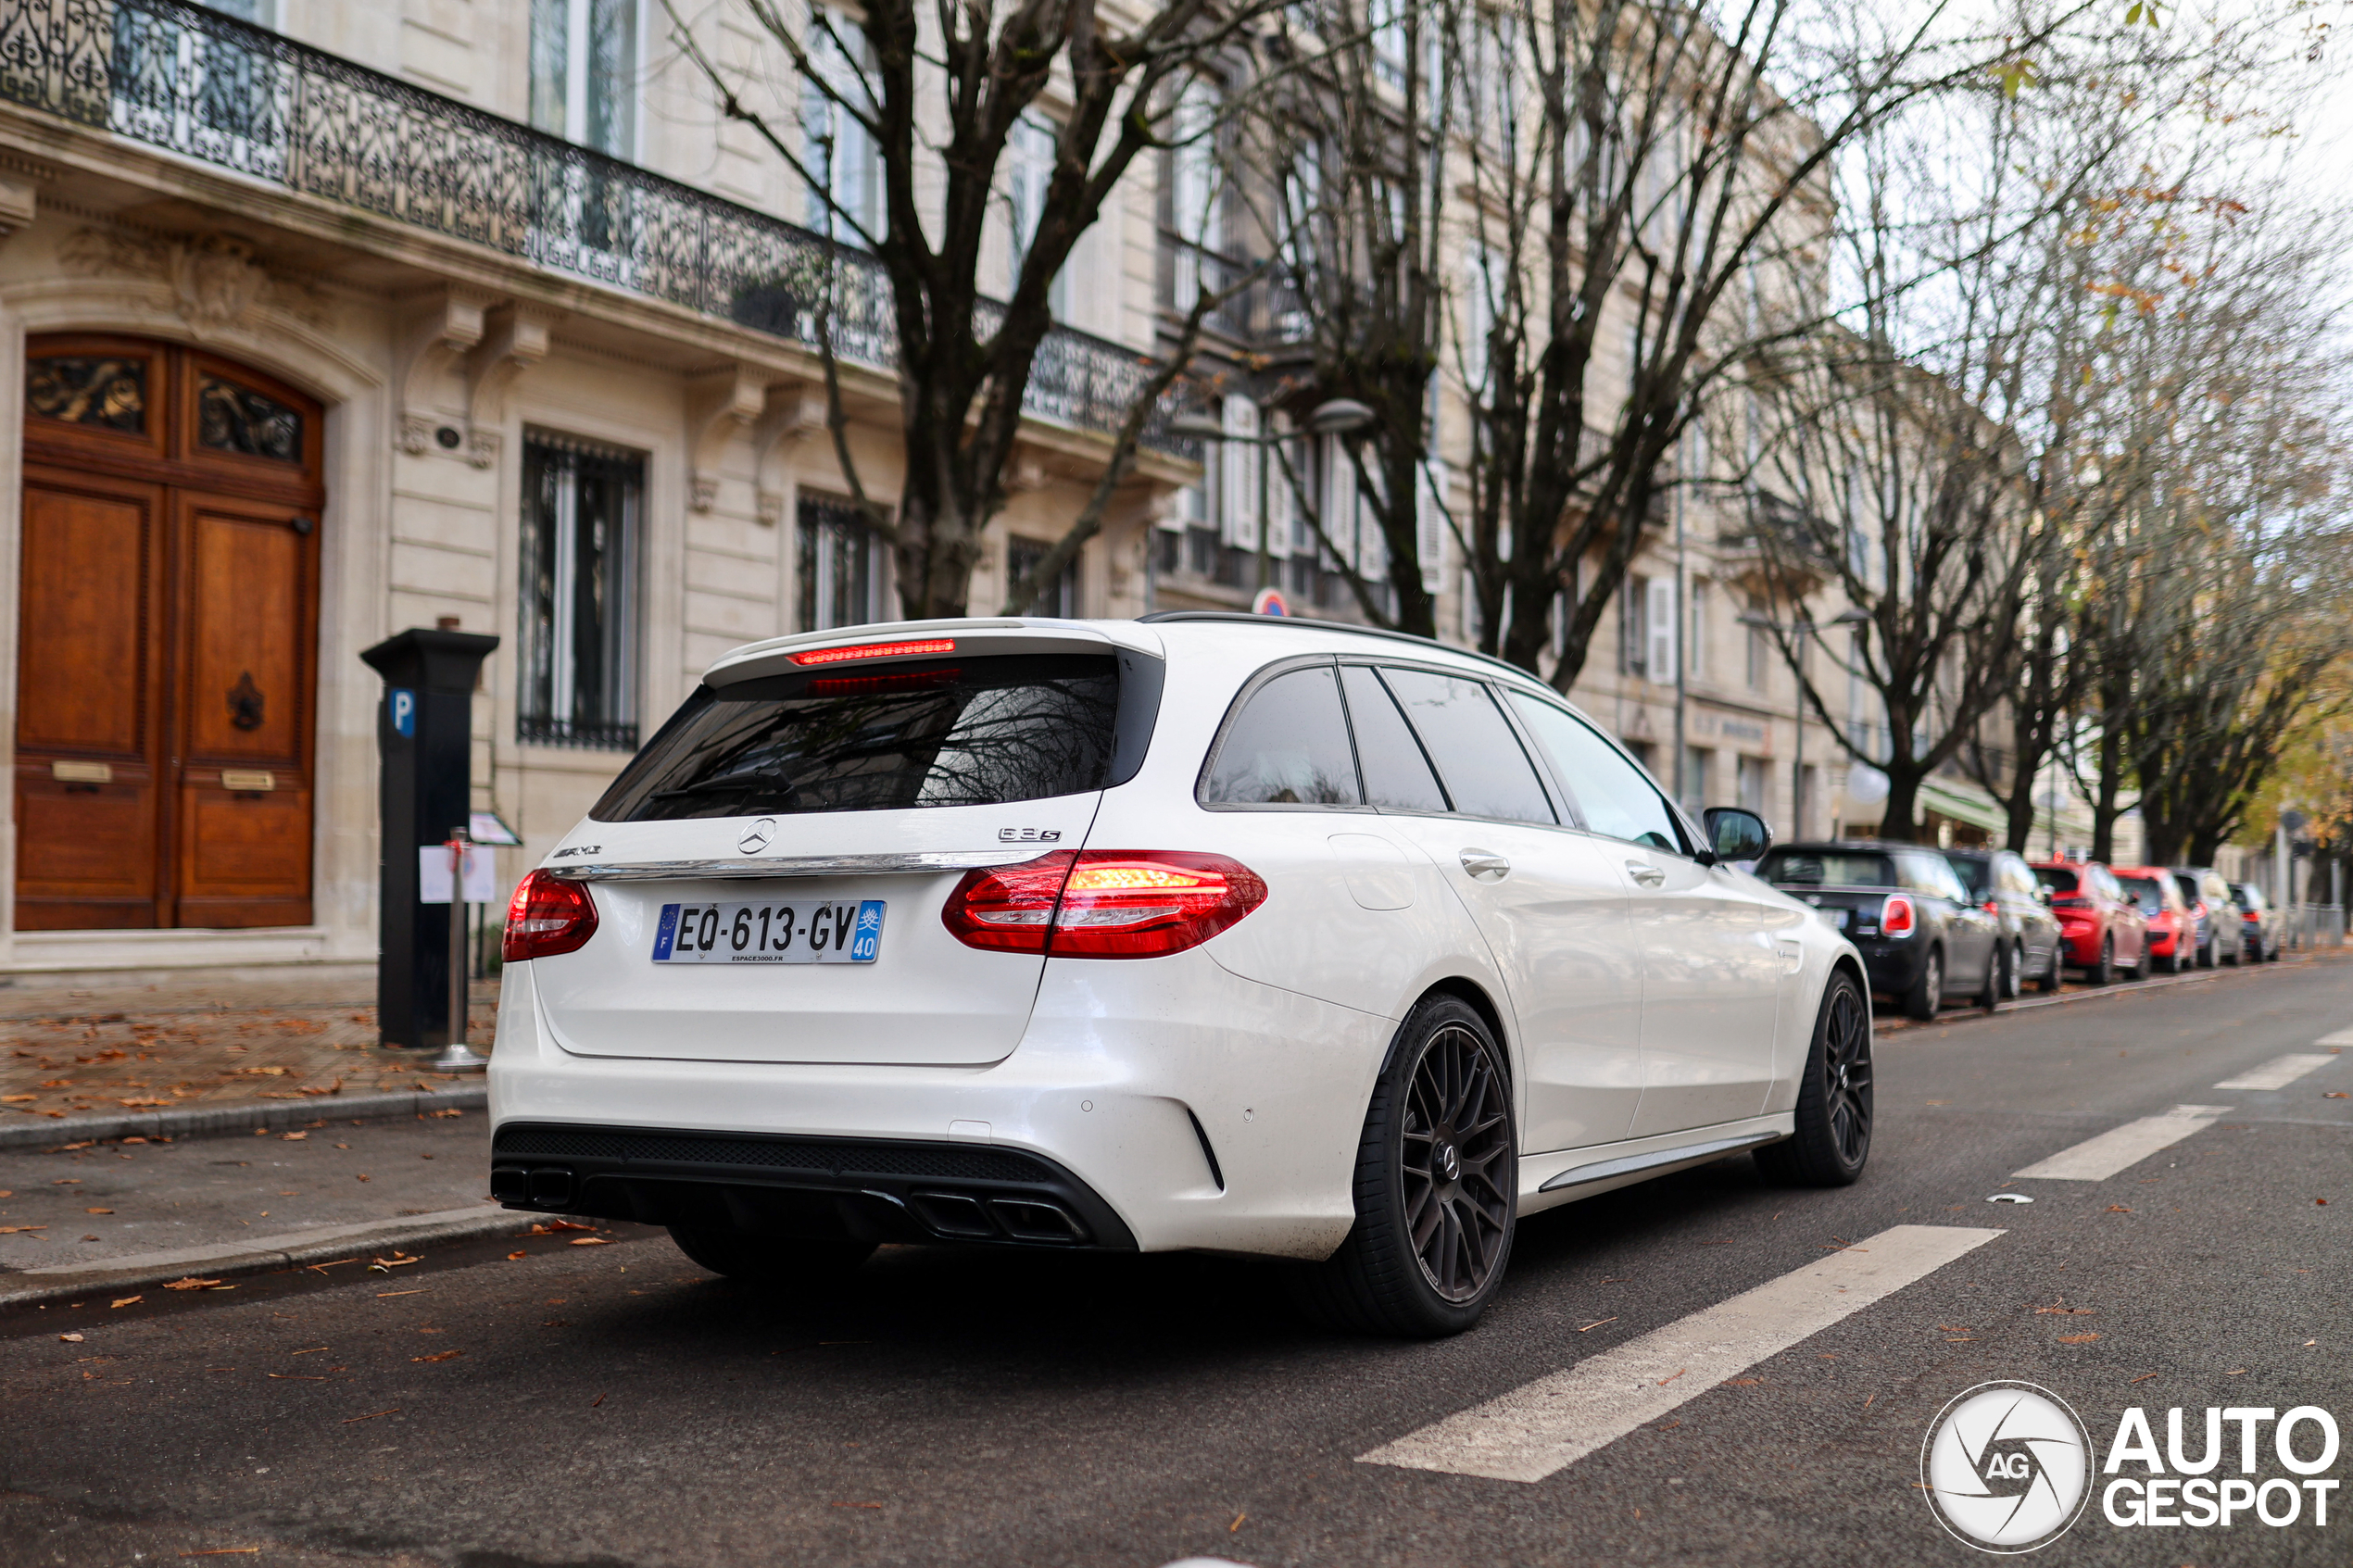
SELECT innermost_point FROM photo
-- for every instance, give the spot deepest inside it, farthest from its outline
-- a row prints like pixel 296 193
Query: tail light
pixel 1103 903
pixel 1896 918
pixel 1993 906
pixel 547 915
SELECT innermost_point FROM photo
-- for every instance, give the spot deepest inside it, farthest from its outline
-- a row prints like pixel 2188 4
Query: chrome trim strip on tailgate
pixel 747 866
pixel 1626 1165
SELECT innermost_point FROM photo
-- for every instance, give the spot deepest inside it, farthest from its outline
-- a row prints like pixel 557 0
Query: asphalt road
pixel 608 1404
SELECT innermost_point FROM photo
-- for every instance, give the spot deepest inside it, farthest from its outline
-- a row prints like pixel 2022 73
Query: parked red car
pixel 2173 926
pixel 2101 930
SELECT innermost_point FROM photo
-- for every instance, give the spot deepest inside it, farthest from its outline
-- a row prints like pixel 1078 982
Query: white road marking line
pixel 2095 1160
pixel 2342 1037
pixel 2278 1074
pixel 1550 1423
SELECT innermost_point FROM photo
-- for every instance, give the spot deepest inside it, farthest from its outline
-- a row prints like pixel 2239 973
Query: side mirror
pixel 2043 894
pixel 1736 834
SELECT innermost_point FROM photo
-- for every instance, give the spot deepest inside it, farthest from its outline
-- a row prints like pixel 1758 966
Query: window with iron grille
pixel 1059 597
pixel 581 506
pixel 841 561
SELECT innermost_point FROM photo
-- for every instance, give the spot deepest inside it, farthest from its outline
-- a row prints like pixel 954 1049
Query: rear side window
pixel 2145 892
pixel 1974 874
pixel 1932 875
pixel 1486 769
pixel 1287 746
pixel 2058 879
pixel 1397 776
pixel 972 731
pixel 1826 868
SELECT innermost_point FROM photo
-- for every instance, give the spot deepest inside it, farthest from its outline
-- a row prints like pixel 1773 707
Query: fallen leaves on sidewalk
pixel 70 1339
pixel 1672 1376
pixel 2077 1339
pixel 439 1356
pixel 12 1229
pixel 589 1240
pixel 128 1300
pixel 517 1257
pixel 552 1226
pixel 192 1283
pixel 398 1259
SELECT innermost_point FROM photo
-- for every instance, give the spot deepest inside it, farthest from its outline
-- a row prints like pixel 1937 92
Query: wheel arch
pixel 1473 995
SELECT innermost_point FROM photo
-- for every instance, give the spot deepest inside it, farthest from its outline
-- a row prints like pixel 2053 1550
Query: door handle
pixel 1648 875
pixel 1485 865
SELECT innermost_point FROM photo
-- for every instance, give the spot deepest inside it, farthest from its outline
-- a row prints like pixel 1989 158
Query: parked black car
pixel 2221 935
pixel 2004 887
pixel 1921 934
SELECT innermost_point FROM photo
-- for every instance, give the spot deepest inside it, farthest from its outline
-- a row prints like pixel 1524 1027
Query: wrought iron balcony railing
pixel 241 98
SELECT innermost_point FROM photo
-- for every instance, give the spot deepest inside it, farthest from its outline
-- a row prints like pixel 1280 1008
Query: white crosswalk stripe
pixel 2095 1160
pixel 2342 1037
pixel 2277 1073
pixel 1550 1423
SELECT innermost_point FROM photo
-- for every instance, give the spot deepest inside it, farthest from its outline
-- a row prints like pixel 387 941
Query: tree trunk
pixel 2103 805
pixel 1897 820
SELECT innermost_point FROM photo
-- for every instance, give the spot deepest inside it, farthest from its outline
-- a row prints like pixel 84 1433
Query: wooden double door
pixel 167 637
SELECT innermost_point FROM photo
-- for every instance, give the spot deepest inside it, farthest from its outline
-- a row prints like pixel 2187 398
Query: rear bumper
pixel 2081 946
pixel 1163 1105
pixel 866 1190
pixel 1892 966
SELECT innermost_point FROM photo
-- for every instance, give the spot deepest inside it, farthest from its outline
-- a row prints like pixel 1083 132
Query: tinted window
pixel 1287 746
pixel 2188 884
pixel 2015 876
pixel 1613 795
pixel 1975 875
pixel 2104 881
pixel 1826 868
pixel 1397 776
pixel 973 732
pixel 1486 773
pixel 2143 891
pixel 1932 875
pixel 2057 878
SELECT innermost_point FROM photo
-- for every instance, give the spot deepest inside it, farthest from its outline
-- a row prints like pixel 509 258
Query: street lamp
pixel 1336 416
pixel 1798 631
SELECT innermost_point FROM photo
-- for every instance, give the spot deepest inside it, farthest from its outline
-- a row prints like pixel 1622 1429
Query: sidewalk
pixel 79 1063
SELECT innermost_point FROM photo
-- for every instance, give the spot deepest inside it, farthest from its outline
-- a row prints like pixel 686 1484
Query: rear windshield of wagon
pixel 1815 867
pixel 983 730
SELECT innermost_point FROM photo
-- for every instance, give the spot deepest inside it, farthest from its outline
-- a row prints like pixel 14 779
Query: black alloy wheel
pixel 1989 995
pixel 2014 973
pixel 1437 1185
pixel 1833 1136
pixel 2054 973
pixel 2104 972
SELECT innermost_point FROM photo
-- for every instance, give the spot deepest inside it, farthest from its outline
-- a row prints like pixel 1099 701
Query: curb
pixel 216 1120
pixel 260 1255
pixel 2142 987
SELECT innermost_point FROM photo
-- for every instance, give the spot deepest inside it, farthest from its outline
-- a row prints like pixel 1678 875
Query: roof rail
pixel 1244 618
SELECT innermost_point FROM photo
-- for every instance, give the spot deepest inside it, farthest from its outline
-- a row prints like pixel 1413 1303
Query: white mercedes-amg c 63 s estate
pixel 1205 931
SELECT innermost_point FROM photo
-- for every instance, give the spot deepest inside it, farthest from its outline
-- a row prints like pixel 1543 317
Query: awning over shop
pixel 1964 803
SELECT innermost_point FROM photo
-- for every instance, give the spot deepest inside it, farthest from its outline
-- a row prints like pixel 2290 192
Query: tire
pixel 2014 973
pixel 2054 973
pixel 1436 1186
pixel 1833 1136
pixel 2103 973
pixel 771 1262
pixel 2205 956
pixel 1997 984
pixel 1922 1002
pixel 2139 971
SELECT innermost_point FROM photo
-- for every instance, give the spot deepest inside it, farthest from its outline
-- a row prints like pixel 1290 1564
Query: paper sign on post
pixel 433 875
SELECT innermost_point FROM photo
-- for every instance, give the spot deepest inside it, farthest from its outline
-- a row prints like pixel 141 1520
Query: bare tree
pixel 927 103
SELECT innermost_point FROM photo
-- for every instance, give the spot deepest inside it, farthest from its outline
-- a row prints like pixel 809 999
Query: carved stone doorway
pixel 168 642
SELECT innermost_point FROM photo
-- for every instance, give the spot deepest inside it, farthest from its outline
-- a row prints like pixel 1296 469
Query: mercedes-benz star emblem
pixel 756 836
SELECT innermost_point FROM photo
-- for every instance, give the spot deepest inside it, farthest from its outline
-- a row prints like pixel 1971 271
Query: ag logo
pixel 2006 1467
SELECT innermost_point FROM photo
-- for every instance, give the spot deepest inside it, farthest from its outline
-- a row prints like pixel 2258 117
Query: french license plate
pixel 829 932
